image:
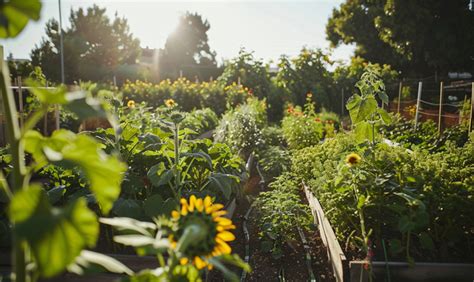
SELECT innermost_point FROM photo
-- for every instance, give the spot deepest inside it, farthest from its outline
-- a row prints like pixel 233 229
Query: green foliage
pixel 49 231
pixel 242 127
pixel 187 49
pixel 403 196
pixel 302 128
pixel 187 95
pixel 200 121
pixel 425 137
pixel 95 47
pixel 363 108
pixel 15 14
pixel 280 213
pixel 405 34
pixel 305 74
pixel 251 71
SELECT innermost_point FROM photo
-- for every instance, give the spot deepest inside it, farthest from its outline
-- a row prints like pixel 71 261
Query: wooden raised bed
pixel 352 271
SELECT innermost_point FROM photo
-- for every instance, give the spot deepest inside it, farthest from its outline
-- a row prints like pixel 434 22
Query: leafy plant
pixel 280 212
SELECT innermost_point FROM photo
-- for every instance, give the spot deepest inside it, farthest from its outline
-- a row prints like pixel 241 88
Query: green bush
pixel 242 127
pixel 280 213
pixel 200 121
pixel 418 203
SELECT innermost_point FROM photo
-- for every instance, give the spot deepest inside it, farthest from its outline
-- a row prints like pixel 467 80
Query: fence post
pixel 472 107
pixel 420 85
pixel 400 87
pixel 441 92
pixel 20 99
pixel 45 119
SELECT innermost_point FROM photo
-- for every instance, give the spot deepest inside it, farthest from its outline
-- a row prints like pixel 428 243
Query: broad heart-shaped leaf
pixel 128 207
pixel 56 236
pixel 71 150
pixel 361 107
pixel 363 131
pixel 15 14
pixel 224 182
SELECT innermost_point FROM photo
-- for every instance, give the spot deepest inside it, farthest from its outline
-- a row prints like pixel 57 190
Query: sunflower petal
pixel 175 214
pixel 192 203
pixel 200 264
pixel 207 202
pixel 223 246
pixel 199 205
pixel 223 221
pixel 226 236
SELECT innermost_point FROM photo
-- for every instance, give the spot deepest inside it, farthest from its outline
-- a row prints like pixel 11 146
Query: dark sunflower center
pixel 206 245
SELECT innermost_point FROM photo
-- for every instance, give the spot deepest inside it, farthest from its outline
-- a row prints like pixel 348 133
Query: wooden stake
pixel 400 87
pixel 420 85
pixel 441 91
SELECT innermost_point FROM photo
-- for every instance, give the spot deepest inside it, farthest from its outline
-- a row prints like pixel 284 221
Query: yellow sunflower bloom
pixel 131 104
pixel 204 213
pixel 353 159
pixel 170 103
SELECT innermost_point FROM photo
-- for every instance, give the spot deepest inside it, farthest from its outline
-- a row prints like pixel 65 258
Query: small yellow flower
pixel 216 242
pixel 353 159
pixel 131 104
pixel 170 103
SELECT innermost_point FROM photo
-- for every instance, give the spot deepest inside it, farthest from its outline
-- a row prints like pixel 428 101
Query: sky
pixel 269 28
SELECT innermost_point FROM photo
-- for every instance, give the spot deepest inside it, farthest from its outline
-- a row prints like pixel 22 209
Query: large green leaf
pixel 15 14
pixel 56 235
pixel 361 107
pixel 104 172
pixel 87 261
pixel 363 131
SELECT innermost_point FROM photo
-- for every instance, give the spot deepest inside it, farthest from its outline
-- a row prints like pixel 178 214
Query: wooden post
pixel 20 99
pixel 441 90
pixel 45 120
pixel 472 107
pixel 420 85
pixel 400 88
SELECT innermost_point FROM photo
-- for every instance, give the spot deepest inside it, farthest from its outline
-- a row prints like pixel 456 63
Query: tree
pixel 95 47
pixel 187 49
pixel 305 74
pixel 414 36
pixel 251 71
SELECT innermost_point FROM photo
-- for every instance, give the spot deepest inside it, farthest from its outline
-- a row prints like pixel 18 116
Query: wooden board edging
pixel 336 256
pixel 345 270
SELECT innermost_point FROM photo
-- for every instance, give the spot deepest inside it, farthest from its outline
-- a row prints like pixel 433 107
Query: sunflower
pixel 209 216
pixel 170 103
pixel 353 159
pixel 131 104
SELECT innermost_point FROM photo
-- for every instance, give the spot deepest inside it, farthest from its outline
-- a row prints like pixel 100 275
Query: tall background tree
pixel 417 37
pixel 95 47
pixel 187 50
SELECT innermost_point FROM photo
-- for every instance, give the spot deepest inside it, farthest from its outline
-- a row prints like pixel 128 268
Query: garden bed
pixel 346 270
pixel 291 266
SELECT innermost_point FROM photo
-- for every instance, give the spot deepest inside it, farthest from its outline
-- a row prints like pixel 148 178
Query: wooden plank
pixel 336 256
pixel 422 271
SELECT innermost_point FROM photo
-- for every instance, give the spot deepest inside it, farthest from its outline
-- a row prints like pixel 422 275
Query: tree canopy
pixel 95 47
pixel 414 36
pixel 187 49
